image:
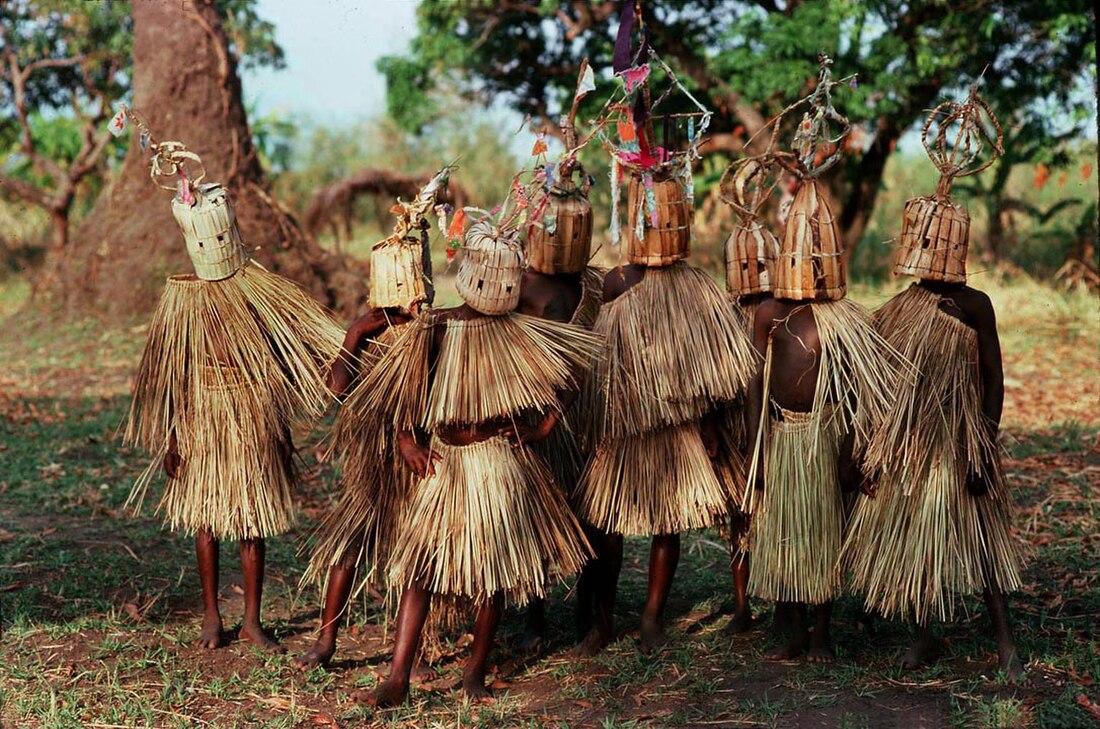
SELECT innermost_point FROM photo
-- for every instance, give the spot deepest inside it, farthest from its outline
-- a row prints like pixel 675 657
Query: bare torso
pixel 796 351
pixel 555 297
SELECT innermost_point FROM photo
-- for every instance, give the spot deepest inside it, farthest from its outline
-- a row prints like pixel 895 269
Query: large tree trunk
pixel 185 85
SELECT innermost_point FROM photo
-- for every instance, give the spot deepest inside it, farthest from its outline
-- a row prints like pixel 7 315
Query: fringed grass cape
pixel 798 518
pixel 491 518
pixel 673 351
pixel 227 367
pixel 924 538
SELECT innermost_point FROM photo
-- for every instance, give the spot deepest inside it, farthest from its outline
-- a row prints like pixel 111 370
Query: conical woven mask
pixel 751 250
pixel 811 259
pixel 560 242
pixel 935 235
pixel 209 228
pixel 491 269
pixel 661 210
pixel 400 274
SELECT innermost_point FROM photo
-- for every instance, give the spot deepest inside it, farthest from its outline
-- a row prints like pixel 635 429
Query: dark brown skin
pixel 973 308
pixel 416 599
pixel 213 635
pixel 796 355
pixel 555 297
pixel 341 578
pixel 664 555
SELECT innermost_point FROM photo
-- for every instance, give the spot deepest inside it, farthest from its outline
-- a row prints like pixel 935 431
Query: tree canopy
pixel 751 59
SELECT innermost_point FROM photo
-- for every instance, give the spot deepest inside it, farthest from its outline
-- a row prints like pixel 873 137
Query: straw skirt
pixel 660 482
pixel 490 519
pixel 236 475
pixel 798 522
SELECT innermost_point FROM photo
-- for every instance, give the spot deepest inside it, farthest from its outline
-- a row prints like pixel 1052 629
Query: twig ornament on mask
pixel 560 240
pixel 811 257
pixel 401 265
pixel 935 231
pixel 751 249
pixel 660 189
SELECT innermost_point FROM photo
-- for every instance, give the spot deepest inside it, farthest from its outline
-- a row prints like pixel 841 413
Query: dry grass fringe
pixel 674 350
pixel 494 367
pixel 491 519
pixel 236 475
pixel 798 524
pixel 925 538
pixel 591 298
pixel 661 482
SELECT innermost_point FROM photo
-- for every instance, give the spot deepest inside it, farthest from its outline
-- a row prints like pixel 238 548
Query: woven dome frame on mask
pixel 751 248
pixel 208 221
pixel 811 262
pixel 491 269
pixel 562 240
pixel 935 234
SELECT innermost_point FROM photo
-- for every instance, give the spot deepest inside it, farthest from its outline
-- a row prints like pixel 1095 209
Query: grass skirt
pixel 798 521
pixel 226 368
pixel 236 474
pixel 657 483
pixel 924 538
pixel 491 519
pixel 358 532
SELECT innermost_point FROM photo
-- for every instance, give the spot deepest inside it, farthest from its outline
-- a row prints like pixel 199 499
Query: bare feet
pixel 473 684
pixel 212 634
pixel 652 634
pixel 925 650
pixel 388 693
pixel 257 636
pixel 792 648
pixel 820 650
pixel 593 643
pixel 741 623
pixel 319 655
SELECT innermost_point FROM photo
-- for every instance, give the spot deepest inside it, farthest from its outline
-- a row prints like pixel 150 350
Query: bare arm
pixel 358 336
pixel 991 370
pixel 755 397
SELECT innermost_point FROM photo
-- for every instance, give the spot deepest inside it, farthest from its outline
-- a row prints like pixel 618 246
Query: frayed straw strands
pixel 660 482
pixel 489 520
pixel 925 538
pixel 673 350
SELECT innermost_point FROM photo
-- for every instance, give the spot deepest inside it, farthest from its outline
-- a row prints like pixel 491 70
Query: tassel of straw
pixel 674 350
pixel 660 482
pixel 591 298
pixel 491 519
pixel 395 391
pixel 797 528
pixel 499 366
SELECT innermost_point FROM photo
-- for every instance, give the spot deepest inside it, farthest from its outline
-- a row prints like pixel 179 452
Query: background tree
pixel 750 59
pixel 183 79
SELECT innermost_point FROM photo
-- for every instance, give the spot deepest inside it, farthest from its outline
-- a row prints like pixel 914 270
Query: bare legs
pixel 253 552
pixel 411 616
pixel 664 556
pixel 207 552
pixel 536 626
pixel 739 567
pixel 340 580
pixel 601 577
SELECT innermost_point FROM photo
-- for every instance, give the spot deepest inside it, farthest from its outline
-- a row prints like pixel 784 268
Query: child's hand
pixel 419 458
pixel 172 464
